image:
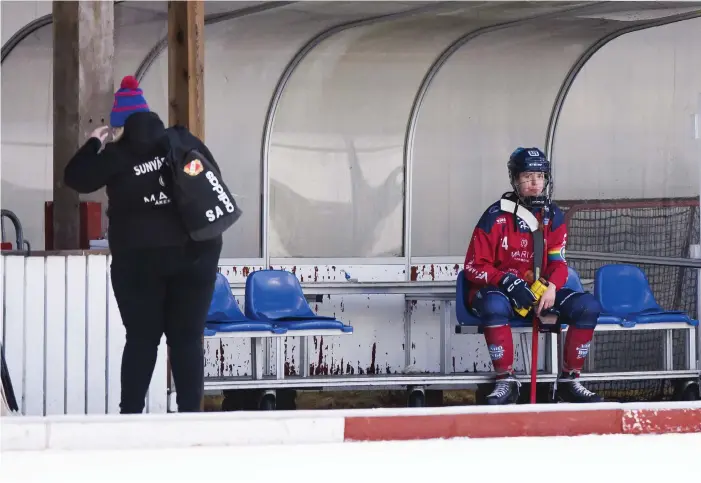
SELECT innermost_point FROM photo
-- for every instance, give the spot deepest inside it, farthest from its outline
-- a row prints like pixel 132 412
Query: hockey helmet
pixel 524 160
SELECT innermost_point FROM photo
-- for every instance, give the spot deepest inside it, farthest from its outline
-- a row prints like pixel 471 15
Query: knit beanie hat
pixel 127 100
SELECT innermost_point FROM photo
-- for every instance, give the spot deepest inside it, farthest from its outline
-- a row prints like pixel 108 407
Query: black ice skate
pixel 570 390
pixel 506 391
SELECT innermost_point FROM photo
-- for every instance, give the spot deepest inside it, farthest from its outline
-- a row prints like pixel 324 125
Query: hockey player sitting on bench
pixel 499 270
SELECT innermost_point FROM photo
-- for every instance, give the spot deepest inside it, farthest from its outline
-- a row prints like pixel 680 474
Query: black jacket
pixel 140 207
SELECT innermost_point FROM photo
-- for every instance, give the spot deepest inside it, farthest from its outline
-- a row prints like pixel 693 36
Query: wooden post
pixel 83 88
pixel 186 65
pixel 186 75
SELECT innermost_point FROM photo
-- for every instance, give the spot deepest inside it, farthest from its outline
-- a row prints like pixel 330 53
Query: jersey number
pixel 504 243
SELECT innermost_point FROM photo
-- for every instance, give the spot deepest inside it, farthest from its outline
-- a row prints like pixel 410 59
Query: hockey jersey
pixel 501 244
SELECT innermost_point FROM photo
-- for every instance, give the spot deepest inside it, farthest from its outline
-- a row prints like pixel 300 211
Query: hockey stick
pixel 534 350
pixel 538 249
pixel 9 401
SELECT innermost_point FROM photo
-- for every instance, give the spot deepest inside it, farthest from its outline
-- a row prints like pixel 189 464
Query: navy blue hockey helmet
pixel 530 160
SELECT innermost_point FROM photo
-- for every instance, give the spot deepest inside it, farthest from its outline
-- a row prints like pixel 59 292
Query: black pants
pixel 164 291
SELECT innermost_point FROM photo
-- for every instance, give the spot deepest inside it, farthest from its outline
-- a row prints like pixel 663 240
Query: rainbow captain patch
pixel 194 167
pixel 556 254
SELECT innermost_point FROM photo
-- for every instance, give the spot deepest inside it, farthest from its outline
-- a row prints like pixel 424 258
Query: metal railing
pixel 19 233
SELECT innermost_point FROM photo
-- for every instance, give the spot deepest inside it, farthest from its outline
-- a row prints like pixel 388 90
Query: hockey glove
pixel 516 289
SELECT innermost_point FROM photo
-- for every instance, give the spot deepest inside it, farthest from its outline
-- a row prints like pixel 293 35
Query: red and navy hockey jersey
pixel 499 245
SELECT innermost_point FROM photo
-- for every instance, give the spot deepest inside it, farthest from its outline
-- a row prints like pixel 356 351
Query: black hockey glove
pixel 517 290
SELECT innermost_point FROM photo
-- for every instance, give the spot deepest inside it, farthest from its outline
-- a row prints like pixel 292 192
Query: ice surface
pixel 584 458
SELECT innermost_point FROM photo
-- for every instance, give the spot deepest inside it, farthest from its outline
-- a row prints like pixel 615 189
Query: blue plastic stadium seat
pixel 575 283
pixel 573 280
pixel 224 314
pixel 624 293
pixel 276 296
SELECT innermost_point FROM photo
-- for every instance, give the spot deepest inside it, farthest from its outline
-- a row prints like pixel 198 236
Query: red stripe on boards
pixel 654 421
pixel 489 425
pixel 513 424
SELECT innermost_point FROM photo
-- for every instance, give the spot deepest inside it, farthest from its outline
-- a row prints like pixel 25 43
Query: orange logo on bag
pixel 193 168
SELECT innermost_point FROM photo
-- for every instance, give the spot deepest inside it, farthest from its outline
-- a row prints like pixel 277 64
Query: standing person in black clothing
pixel 163 281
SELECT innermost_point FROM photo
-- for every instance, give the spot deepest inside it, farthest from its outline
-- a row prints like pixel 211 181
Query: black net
pixel 663 228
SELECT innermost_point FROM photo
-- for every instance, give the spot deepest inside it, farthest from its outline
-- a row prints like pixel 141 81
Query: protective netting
pixel 663 228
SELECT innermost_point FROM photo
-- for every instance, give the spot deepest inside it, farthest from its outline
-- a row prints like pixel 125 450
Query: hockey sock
pixel 501 348
pixel 576 348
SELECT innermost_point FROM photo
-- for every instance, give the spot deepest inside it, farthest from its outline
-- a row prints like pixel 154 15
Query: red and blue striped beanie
pixel 127 100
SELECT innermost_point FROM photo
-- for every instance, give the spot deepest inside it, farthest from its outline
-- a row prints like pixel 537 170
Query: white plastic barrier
pixel 63 336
